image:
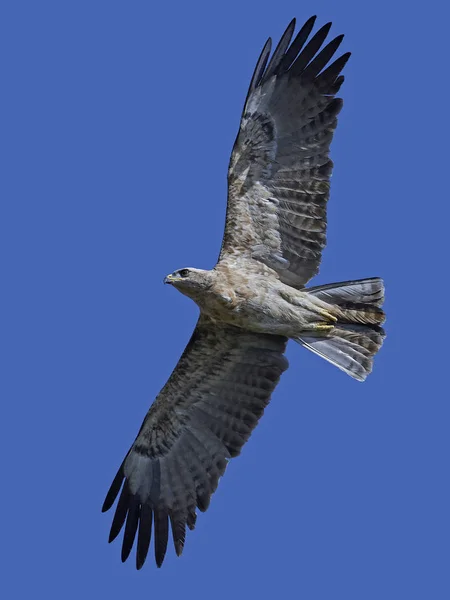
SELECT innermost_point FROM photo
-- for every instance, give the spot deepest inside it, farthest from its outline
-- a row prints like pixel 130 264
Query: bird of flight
pixel 253 301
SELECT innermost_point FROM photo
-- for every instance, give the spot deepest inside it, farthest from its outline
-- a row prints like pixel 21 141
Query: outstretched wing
pixel 279 173
pixel 201 418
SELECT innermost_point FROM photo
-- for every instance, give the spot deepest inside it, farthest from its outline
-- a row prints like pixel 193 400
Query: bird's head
pixel 190 282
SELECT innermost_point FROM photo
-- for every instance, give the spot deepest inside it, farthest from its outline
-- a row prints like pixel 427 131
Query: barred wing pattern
pixel 279 173
pixel 201 418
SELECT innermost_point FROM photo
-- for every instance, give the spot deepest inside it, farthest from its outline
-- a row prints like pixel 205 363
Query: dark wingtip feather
pixel 334 89
pixel 144 535
pixel 335 107
pixel 179 545
pixel 203 500
pixel 191 520
pixel 329 75
pixel 261 64
pixel 120 514
pixel 113 490
pixel 130 527
pixel 297 59
pixel 322 59
pixel 310 50
pixel 280 51
pixel 178 525
pixel 161 535
pixel 290 27
pixel 259 69
pixel 297 44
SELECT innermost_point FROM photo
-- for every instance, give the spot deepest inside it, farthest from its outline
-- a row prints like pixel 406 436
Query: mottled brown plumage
pixel 253 301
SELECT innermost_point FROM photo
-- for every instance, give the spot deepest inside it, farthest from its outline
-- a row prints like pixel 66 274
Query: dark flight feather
pixel 130 527
pixel 316 65
pixel 113 490
pixel 296 46
pixel 259 69
pixel 161 535
pixel 280 50
pixel 144 534
pixel 121 513
pixel 309 50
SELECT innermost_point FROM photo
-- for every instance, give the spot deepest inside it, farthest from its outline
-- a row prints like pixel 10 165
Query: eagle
pixel 253 301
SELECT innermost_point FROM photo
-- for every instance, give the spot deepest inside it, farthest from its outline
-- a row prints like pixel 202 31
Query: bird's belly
pixel 258 313
pixel 268 311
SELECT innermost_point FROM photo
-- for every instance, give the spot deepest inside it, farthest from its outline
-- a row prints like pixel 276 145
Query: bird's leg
pixel 320 327
pixel 309 303
pixel 327 315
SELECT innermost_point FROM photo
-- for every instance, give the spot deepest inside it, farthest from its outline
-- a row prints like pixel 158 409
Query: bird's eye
pixel 183 273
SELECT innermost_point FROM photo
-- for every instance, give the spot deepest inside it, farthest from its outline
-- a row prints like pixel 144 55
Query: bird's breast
pixel 236 305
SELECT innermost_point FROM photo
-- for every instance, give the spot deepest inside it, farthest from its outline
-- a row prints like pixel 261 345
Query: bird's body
pixel 256 300
pixel 253 301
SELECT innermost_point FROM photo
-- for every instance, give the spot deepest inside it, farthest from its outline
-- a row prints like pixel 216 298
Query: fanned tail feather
pixel 352 344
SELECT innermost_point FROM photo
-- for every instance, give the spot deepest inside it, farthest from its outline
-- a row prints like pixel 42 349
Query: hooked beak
pixel 171 279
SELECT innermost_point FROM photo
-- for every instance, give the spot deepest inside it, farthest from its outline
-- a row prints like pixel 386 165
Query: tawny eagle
pixel 253 301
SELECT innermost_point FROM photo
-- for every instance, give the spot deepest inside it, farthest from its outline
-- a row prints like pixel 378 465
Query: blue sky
pixel 118 121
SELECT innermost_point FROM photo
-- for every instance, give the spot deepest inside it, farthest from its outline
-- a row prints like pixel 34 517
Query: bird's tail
pixel 357 335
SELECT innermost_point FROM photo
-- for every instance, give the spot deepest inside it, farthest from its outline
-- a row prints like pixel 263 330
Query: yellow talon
pixel 328 316
pixel 323 327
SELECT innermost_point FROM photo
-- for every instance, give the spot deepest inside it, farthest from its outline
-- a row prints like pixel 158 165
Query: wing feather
pixel 121 513
pixel 201 418
pixel 280 50
pixel 300 63
pixel 297 45
pixel 259 68
pixel 161 517
pixel 144 534
pixel 131 526
pixel 321 60
pixel 280 168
